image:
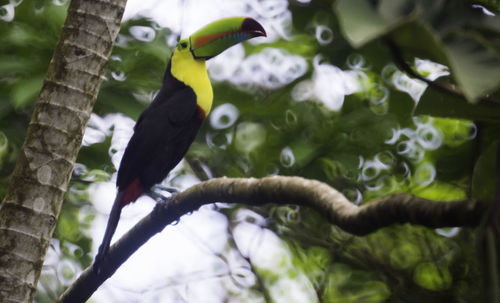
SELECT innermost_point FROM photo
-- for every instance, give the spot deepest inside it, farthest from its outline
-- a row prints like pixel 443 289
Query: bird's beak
pixel 220 35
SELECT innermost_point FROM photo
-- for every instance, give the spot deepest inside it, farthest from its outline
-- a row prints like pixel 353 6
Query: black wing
pixel 162 136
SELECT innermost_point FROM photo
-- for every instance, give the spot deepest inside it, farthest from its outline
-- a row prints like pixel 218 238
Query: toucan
pixel 168 126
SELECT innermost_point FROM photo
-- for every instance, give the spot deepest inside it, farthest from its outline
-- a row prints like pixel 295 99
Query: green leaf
pixel 300 44
pixel 485 174
pixel 440 191
pixel 11 64
pixel 303 152
pixel 440 104
pixel 405 255
pixel 26 91
pixel 362 22
pixel 409 38
pixel 475 67
pixel 433 277
pixel 4 144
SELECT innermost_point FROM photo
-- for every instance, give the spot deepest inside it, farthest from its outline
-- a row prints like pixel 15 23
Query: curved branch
pixel 359 220
pixel 441 86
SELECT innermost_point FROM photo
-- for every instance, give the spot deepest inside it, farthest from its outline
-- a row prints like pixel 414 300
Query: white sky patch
pixel 412 86
pixel 276 257
pixel 431 70
pixel 183 253
pixel 484 10
pixel 329 85
pixel 7 12
pixel 271 68
pixel 187 16
pixel 99 128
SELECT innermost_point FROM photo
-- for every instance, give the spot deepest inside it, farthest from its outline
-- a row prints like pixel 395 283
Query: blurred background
pixel 337 92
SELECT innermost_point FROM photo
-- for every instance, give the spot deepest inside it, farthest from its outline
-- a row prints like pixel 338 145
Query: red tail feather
pixel 132 192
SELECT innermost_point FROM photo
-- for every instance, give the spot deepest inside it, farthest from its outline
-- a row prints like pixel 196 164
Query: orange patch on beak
pixel 200 41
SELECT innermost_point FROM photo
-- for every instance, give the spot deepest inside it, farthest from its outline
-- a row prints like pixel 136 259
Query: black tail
pixel 114 216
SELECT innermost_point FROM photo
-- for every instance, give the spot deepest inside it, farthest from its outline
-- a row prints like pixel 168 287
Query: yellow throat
pixel 194 74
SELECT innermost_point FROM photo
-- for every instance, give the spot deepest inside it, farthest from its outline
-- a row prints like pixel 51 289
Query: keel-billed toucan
pixel 166 129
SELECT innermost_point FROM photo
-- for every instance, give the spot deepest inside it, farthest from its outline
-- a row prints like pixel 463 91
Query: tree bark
pixel 38 184
pixel 359 220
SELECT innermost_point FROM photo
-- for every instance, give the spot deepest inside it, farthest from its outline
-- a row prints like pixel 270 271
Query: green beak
pixel 220 35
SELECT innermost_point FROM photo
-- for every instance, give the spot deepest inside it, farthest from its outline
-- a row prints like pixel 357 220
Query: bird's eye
pixel 183 44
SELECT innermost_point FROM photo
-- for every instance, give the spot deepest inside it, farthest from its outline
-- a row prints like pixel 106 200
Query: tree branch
pixel 441 86
pixel 359 220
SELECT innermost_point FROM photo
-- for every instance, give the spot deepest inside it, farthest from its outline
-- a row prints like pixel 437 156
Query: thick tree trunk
pixel 39 182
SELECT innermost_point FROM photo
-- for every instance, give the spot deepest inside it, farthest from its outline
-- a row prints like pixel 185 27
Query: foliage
pixel 391 133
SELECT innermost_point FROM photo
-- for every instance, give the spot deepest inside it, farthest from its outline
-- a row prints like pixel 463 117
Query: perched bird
pixel 166 129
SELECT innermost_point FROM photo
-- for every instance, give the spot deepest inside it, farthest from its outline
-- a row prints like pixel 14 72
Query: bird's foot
pixel 159 187
pixel 157 192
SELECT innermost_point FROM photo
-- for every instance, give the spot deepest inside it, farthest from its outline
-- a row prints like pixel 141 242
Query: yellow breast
pixel 194 74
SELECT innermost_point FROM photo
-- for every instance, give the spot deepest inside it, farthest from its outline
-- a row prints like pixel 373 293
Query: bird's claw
pixel 159 187
pixel 154 193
